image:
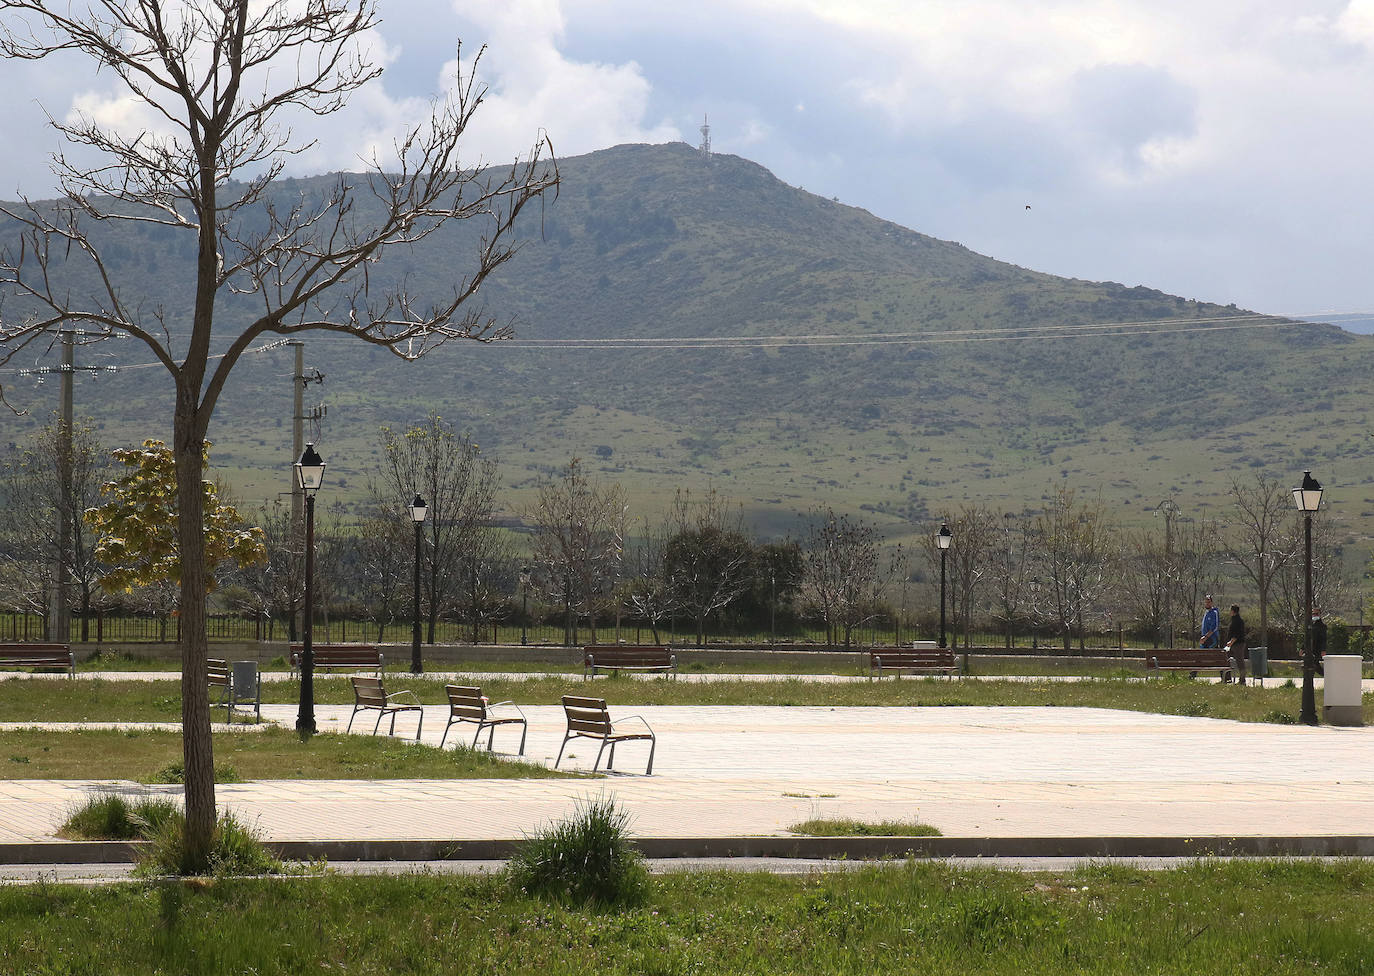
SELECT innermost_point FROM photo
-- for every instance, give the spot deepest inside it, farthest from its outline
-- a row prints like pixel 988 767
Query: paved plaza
pixel 734 771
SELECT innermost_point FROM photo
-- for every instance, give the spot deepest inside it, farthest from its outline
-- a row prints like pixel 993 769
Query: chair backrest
pixel 245 684
pixel 587 714
pixel 217 672
pixel 368 691
pixel 465 701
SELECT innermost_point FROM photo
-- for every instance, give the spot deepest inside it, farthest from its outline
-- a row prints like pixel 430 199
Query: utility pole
pixel 59 626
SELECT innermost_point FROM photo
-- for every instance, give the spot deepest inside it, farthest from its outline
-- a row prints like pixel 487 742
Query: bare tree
pixel 1146 581
pixel 1262 537
pixel 1328 581
pixel 970 560
pixel 1197 567
pixel 48 485
pixel 707 556
pixel 275 589
pixel 1008 562
pixel 1074 561
pixel 219 76
pixel 460 486
pixel 577 545
pixel 845 575
pixel 382 576
pixel 649 591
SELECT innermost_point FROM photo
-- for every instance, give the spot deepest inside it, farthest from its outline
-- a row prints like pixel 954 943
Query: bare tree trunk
pixel 197 747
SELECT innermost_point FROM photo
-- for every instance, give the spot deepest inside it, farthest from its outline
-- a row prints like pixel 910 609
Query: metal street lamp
pixel 309 476
pixel 1170 511
pixel 773 610
pixel 1308 498
pixel 942 539
pixel 524 604
pixel 418 510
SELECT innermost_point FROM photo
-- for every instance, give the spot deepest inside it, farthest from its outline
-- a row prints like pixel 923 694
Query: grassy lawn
pixel 269 753
pixel 101 700
pixel 1205 919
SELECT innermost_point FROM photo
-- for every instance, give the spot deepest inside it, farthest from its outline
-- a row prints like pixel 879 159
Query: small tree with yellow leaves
pixel 137 525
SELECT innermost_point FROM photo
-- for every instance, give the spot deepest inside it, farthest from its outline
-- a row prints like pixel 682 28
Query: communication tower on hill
pixel 705 146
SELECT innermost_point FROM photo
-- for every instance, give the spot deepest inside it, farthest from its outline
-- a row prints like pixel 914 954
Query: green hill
pixel 934 375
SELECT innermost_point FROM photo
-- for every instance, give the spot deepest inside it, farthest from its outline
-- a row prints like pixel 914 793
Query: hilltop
pixel 940 375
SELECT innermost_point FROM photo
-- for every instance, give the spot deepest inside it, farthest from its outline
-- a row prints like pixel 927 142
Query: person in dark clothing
pixel 1235 642
pixel 1319 641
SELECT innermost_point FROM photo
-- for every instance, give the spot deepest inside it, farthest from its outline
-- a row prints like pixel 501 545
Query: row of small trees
pixel 1068 570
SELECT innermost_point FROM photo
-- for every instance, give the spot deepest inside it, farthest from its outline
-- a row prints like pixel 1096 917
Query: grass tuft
pixel 110 816
pixel 585 860
pixel 844 827
pixel 234 850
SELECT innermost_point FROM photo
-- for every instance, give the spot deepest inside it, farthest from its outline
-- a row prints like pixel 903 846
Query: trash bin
pixel 1341 689
pixel 244 687
pixel 1259 662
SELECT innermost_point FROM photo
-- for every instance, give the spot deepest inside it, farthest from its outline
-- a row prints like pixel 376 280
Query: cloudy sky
pixel 1216 149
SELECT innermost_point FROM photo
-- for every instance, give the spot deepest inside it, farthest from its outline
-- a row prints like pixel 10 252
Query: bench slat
pixel 628 657
pixel 24 655
pixel 937 660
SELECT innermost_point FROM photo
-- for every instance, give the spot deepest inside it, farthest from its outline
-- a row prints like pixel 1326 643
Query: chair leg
pixel 444 738
pixel 477 735
pixel 491 735
pixel 524 727
pixel 350 720
pixel 380 715
pixel 419 723
pixel 596 765
pixel 653 743
pixel 560 750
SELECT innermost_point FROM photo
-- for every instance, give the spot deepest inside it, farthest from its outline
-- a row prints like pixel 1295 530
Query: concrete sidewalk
pixel 740 771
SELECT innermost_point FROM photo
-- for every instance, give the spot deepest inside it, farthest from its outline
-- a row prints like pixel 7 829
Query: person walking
pixel 1211 624
pixel 1235 642
pixel 1211 627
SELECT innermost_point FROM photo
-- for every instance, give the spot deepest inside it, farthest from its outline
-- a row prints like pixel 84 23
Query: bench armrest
pixel 398 694
pixel 634 718
pixel 506 704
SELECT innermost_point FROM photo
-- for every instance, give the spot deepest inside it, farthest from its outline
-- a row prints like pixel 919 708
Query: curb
pixel 819 848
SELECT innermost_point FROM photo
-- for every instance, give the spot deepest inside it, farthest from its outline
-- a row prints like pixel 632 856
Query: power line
pixel 1048 333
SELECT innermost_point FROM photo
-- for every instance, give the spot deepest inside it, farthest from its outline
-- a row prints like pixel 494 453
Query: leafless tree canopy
pixel 214 85
pixel 1262 536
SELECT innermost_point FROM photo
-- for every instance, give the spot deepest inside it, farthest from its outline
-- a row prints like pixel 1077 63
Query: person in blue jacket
pixel 1211 627
pixel 1211 624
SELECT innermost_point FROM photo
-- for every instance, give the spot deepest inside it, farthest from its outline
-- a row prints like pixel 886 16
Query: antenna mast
pixel 705 146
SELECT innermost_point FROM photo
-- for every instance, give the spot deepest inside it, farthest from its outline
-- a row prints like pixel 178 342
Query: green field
pixel 1266 918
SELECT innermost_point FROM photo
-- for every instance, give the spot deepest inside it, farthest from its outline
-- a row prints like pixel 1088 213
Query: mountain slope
pixel 945 377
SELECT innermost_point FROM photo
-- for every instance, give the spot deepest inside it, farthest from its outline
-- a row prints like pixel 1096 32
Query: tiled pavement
pixel 745 770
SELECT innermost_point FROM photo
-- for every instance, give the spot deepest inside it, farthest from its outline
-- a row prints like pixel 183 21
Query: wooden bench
pixel 38 656
pixel 627 657
pixel 467 704
pixel 920 660
pixel 1190 659
pixel 589 718
pixel 341 657
pixel 368 694
pixel 220 676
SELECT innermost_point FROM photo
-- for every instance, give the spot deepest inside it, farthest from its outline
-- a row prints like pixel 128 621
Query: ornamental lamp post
pixel 418 511
pixel 1308 498
pixel 524 604
pixel 309 476
pixel 942 539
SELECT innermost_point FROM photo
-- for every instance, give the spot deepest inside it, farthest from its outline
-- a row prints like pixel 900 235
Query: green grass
pixel 155 757
pixel 1206 919
pixel 845 827
pixel 97 700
